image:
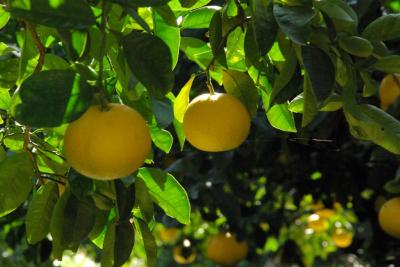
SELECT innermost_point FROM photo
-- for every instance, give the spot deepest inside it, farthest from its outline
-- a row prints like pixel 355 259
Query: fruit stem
pixel 209 83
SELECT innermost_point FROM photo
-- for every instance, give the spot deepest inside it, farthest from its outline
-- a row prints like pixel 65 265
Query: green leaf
pixel 125 199
pixel 150 60
pixel 5 99
pixel 279 115
pixel 182 100
pixel 16 182
pixel 149 242
pixel 118 244
pixel 124 241
pixel 8 72
pixel 389 64
pixel 343 16
pixel 371 86
pixel 332 103
pixel 196 50
pixel 72 221
pixel 138 3
pixel 264 25
pixel 384 28
pixel 144 201
pixel 57 96
pixel 371 123
pixel 177 6
pixel 199 18
pixel 165 27
pixel 161 138
pixel 294 21
pixel 67 14
pixel 285 76
pixel 167 193
pixel 356 46
pixel 217 39
pixel 4 17
pixel 310 102
pixel 240 85
pixel 321 71
pixel 39 212
pixel 235 54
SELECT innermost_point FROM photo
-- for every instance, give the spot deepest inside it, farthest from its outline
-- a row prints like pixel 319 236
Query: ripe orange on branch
pixel 389 217
pixel 226 250
pixel 107 144
pixel 217 122
pixel 389 90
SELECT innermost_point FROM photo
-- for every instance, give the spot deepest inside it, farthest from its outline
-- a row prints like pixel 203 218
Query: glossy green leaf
pixel 165 27
pixel 39 212
pixel 217 41
pixel 332 103
pixel 138 3
pixel 356 46
pixel 161 138
pixel 182 100
pixel 4 17
pixel 235 55
pixel 149 243
pixel 279 115
pixel 16 182
pixel 321 71
pixel 68 14
pixel 294 21
pixel 389 64
pixel 150 60
pixel 166 191
pixel 285 76
pixel 310 102
pixel 57 96
pixel 72 221
pixel 196 50
pixel 386 27
pixel 199 18
pixel 125 199
pixel 371 123
pixel 264 25
pixel 8 72
pixel 5 99
pixel 143 200
pixel 177 6
pixel 342 15
pixel 240 85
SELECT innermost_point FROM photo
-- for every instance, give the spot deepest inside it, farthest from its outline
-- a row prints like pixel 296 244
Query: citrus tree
pixel 267 127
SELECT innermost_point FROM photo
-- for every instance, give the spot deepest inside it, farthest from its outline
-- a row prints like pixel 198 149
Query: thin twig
pixel 32 157
pixel 39 46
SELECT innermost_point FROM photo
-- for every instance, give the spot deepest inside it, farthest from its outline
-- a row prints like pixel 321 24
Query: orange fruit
pixel 226 250
pixel 168 235
pixel 325 213
pixel 217 122
pixel 317 223
pixel 389 217
pixel 108 144
pixel 342 238
pixel 389 90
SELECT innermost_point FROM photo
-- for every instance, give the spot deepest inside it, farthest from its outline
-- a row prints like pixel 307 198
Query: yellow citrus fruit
pixel 317 223
pixel 226 250
pixel 108 144
pixel 389 90
pixel 184 255
pixel 168 235
pixel 389 217
pixel 217 122
pixel 325 213
pixel 342 238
